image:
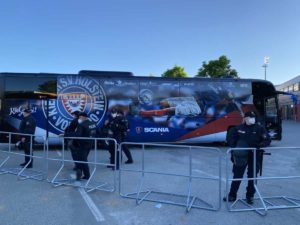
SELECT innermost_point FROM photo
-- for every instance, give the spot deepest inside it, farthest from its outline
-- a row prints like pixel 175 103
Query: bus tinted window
pixel 16 84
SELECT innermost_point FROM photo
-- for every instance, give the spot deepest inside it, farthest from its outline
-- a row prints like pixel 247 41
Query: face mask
pixel 249 120
pixel 114 115
pixel 80 120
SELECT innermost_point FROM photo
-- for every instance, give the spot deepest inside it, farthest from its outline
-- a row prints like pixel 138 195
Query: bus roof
pixel 260 87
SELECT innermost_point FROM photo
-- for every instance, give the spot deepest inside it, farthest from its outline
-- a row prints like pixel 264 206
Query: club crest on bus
pixel 75 93
pixel 74 102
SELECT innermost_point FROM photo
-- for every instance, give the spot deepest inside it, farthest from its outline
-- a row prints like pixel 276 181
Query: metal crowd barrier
pixel 263 203
pixel 21 172
pixel 144 192
pixel 92 183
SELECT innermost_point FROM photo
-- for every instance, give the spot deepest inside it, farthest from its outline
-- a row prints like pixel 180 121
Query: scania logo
pixel 156 130
pixel 75 93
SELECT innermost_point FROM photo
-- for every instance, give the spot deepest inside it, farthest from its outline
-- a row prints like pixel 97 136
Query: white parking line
pixel 97 214
pixel 95 211
pixel 59 153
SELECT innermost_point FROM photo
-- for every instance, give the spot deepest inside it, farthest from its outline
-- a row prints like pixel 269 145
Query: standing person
pixel 121 133
pixel 27 126
pixel 72 144
pixel 117 126
pixel 85 129
pixel 247 135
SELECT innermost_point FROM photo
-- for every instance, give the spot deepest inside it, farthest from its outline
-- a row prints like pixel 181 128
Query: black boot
pixel 229 198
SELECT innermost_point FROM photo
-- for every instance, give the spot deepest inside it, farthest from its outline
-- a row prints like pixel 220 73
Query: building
pixel 290 110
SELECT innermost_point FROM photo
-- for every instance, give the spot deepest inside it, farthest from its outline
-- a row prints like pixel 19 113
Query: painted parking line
pixel 94 209
pixel 96 212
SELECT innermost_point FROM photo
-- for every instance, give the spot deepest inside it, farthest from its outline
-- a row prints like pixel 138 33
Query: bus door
pixel 272 118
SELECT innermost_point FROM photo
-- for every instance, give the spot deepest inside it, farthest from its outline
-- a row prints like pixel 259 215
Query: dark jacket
pixel 247 136
pixel 84 129
pixel 72 127
pixel 253 136
pixel 118 126
pixel 27 126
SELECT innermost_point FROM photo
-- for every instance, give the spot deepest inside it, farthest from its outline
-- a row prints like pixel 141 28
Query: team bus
pixel 185 110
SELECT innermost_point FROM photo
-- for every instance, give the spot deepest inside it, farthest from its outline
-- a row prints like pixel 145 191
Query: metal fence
pixel 147 191
pixel 270 180
pixel 12 153
pixel 92 183
pixel 174 179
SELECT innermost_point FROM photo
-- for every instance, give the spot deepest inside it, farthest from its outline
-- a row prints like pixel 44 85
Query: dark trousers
pixel 81 154
pixel 111 149
pixel 238 172
pixel 120 138
pixel 74 151
pixel 26 146
pixel 125 149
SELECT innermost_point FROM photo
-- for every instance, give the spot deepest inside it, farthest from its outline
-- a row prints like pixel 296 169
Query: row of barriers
pixel 189 176
pixel 42 159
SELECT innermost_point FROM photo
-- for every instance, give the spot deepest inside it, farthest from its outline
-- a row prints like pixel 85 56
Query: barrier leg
pixel 2 164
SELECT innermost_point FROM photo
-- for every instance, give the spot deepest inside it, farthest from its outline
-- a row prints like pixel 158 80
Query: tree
pixel 175 72
pixel 217 68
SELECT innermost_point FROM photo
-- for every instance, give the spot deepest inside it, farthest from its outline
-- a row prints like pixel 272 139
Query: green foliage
pixel 176 72
pixel 217 68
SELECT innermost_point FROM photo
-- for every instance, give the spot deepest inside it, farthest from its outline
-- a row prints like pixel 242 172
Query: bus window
pixel 29 86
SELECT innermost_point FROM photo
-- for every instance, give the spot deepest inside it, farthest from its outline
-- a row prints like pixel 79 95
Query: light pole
pixel 266 63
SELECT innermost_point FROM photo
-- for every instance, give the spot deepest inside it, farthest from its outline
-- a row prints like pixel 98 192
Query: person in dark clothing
pixel 73 125
pixel 72 144
pixel 247 135
pixel 117 126
pixel 85 129
pixel 27 126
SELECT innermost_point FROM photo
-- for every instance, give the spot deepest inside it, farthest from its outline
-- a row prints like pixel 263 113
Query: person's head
pixel 75 114
pixel 26 112
pixel 249 118
pixel 114 113
pixel 120 112
pixel 82 116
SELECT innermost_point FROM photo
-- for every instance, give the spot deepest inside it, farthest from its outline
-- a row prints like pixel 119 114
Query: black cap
pixel 27 110
pixel 76 113
pixel 83 114
pixel 250 114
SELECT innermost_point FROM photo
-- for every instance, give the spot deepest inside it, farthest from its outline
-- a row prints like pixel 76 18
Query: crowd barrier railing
pixel 92 182
pixel 142 192
pixel 264 203
pixel 11 151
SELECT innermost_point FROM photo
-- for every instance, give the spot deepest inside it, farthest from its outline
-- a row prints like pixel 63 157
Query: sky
pixel 147 37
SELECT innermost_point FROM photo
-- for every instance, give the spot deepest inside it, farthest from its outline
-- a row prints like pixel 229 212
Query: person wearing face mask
pixel 117 126
pixel 72 144
pixel 27 126
pixel 85 129
pixel 247 135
